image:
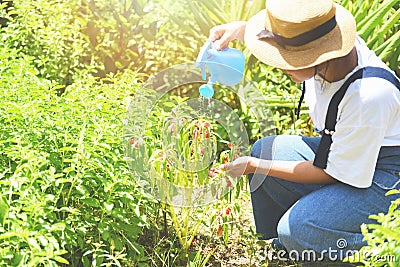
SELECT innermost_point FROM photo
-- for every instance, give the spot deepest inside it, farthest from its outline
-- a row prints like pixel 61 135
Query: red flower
pixel 134 143
pixel 195 133
pixel 207 135
pixel 226 159
pixel 230 145
pixel 228 210
pixel 224 212
pixel 206 124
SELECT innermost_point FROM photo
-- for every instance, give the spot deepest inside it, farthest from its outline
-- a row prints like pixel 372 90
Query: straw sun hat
pixel 297 34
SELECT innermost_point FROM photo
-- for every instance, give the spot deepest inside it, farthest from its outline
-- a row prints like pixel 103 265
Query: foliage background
pixel 67 70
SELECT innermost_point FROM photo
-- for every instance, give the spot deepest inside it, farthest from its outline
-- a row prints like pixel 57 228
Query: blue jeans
pixel 314 216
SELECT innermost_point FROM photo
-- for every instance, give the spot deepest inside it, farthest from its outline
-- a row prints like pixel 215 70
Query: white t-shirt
pixel 368 118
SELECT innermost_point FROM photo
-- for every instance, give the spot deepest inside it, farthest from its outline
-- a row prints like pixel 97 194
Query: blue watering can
pixel 225 67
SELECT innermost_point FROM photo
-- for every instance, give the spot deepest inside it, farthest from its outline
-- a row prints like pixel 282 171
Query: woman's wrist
pixel 253 164
pixel 261 166
pixel 242 29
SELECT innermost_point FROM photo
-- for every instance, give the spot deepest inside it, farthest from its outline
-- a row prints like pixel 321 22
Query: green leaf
pixel 360 10
pixel 108 206
pixel 392 44
pixel 4 207
pixel 214 11
pixel 384 29
pixel 93 202
pixel 199 17
pixel 61 260
pixel 395 235
pixel 376 18
pixel 392 192
pixel 256 6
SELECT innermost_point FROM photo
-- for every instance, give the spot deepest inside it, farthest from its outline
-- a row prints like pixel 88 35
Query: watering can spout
pixel 225 66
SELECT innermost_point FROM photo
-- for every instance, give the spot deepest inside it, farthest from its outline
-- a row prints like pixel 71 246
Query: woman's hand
pixel 240 166
pixel 225 33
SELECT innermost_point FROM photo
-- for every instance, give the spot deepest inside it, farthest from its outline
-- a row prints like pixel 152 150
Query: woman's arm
pixel 295 171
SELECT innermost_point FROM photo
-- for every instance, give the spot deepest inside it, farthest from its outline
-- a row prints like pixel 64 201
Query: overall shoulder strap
pixel 321 157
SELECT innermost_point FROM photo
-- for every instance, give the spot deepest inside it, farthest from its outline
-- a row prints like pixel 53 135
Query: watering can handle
pixel 203 71
pixel 201 58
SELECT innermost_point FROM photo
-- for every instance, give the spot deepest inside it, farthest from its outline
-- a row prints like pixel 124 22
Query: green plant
pixel 383 238
pixel 48 31
pixel 72 199
pixel 134 35
pixel 378 24
pixel 207 14
pixel 200 259
pixel 117 33
pixel 180 164
pixel 83 38
pixel 3 209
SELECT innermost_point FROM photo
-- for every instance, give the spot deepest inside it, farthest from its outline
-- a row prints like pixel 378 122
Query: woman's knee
pixel 262 148
pixel 282 147
pixel 267 147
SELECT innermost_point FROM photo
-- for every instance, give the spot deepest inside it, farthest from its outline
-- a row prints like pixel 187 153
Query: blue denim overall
pixel 313 216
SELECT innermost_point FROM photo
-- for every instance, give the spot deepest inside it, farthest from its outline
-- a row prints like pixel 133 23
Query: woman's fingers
pixel 225 33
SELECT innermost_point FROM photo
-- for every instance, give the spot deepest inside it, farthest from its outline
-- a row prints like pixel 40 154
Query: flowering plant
pixel 178 152
pixel 189 151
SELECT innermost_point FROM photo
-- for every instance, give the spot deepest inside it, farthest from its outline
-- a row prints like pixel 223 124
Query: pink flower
pixel 201 151
pixel 213 172
pixel 171 128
